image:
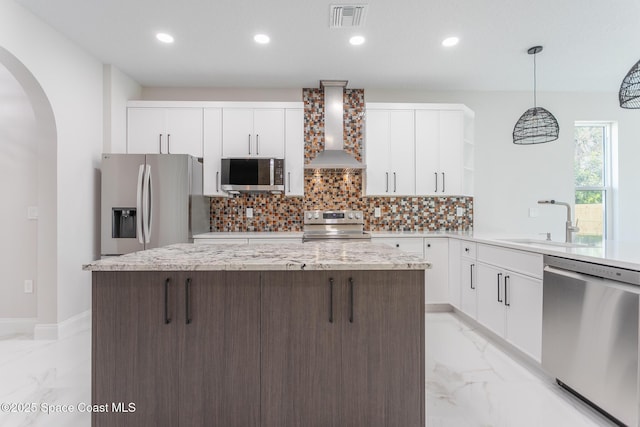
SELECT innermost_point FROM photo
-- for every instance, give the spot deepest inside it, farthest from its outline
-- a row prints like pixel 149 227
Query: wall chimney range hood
pixel 333 156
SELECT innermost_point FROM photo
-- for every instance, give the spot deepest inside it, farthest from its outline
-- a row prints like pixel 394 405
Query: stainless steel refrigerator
pixel 150 200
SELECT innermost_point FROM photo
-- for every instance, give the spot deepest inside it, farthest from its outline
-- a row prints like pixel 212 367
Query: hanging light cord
pixel 534 81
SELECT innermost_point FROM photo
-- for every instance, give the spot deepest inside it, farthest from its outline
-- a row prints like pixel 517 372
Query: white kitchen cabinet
pixel 412 245
pixel 468 282
pixel 509 302
pixel 436 251
pixel 439 152
pixel 390 152
pixel 253 132
pixel 160 130
pixel 294 152
pixel 212 152
pixel 454 273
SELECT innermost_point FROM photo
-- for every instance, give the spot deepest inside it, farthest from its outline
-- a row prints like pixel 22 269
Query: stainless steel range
pixel 330 225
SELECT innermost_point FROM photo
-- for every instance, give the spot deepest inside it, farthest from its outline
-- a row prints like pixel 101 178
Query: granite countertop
pixel 262 257
pixel 250 235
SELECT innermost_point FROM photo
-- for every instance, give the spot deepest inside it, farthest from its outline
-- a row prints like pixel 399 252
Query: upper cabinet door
pixel 378 129
pixel 451 150
pixel 294 152
pixel 184 131
pixel 402 178
pixel 146 133
pixel 238 139
pixel 428 152
pixel 268 129
pixel 212 152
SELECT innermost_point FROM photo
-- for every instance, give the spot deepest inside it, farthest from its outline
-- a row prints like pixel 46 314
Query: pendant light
pixel 536 125
pixel 629 95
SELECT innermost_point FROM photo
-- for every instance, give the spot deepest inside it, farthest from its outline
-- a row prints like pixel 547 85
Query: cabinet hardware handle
pixel 443 182
pixel 187 297
pixel 397 245
pixel 167 319
pixel 331 300
pixel 249 143
pixel 160 143
pixel 168 143
pixel 471 270
pixel 466 250
pixel 351 300
pixel 436 174
pixel 499 276
pixel 257 144
pixel 387 187
pixel 506 299
pixel 428 245
pixel 394 182
pixel 217 181
pixel 289 175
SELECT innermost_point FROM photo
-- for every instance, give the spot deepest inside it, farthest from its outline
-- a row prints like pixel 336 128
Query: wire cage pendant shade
pixel 537 125
pixel 629 95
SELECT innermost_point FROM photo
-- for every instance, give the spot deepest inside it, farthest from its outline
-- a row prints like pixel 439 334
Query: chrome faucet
pixel 569 227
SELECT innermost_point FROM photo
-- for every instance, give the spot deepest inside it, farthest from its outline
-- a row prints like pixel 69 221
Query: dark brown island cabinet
pixel 247 348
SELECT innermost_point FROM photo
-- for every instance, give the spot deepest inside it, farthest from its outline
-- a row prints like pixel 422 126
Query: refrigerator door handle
pixel 139 231
pixel 147 203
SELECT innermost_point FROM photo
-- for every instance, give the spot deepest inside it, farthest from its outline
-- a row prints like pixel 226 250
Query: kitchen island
pixel 314 334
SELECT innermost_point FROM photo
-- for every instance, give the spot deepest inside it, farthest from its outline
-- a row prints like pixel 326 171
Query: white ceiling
pixel 589 45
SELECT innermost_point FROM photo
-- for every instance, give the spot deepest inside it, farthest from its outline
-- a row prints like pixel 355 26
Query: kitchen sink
pixel 547 243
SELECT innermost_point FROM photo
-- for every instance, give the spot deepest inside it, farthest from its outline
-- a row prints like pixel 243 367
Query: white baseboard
pixel 64 329
pixel 438 307
pixel 17 326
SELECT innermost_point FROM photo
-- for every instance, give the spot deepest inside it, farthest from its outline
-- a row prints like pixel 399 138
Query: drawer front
pixel 522 262
pixel 468 249
pixel 283 241
pixel 413 245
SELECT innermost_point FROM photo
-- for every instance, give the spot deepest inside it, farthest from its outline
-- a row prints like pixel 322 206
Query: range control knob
pixel 316 215
pixel 358 215
pixel 350 215
pixel 309 215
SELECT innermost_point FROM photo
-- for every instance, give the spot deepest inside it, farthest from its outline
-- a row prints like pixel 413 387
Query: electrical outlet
pixel 376 212
pixel 459 211
pixel 249 212
pixel 32 212
pixel 28 286
pixel 394 209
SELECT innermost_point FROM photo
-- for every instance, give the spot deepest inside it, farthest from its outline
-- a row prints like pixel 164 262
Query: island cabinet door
pixel 134 369
pixel 383 377
pixel 300 349
pixel 219 346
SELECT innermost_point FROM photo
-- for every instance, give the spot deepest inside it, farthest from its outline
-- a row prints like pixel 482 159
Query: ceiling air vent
pixel 347 16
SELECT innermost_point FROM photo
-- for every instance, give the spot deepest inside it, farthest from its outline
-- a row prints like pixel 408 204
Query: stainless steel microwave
pixel 247 175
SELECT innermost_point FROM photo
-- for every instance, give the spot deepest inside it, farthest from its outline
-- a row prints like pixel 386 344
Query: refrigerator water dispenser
pixel 123 223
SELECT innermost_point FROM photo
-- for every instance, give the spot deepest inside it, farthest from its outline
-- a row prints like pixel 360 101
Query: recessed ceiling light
pixel 164 37
pixel 450 41
pixel 356 40
pixel 261 38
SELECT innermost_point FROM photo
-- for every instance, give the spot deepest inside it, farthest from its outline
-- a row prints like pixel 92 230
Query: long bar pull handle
pixel 147 204
pixel 394 182
pixel 167 319
pixel 289 174
pixel 350 300
pixel 471 270
pixel 168 143
pixel 443 182
pixel 436 174
pixel 331 300
pixel 139 226
pixel 160 143
pixel 249 143
pixel 499 277
pixel 507 279
pixel 387 187
pixel 187 297
pixel 217 181
pixel 257 144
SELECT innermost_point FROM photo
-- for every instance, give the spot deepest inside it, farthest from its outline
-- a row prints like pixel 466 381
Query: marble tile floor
pixel 470 382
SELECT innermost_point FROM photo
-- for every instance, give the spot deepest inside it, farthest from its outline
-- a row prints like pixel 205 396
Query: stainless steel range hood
pixel 333 156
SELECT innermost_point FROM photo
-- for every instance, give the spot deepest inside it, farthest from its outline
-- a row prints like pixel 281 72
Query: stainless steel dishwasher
pixel 590 334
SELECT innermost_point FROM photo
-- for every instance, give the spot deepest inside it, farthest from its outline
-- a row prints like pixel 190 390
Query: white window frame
pixel 610 142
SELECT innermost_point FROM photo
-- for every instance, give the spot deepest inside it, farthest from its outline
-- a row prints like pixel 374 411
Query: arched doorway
pixel 32 138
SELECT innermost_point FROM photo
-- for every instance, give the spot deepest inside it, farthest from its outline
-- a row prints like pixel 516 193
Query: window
pixel 592 173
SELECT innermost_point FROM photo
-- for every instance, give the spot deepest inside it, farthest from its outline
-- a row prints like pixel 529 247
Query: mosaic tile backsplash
pixel 335 190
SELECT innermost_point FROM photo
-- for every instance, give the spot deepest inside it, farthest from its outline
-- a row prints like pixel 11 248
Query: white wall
pixel 72 83
pixel 510 179
pixel 118 89
pixel 221 94
pixel 18 191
